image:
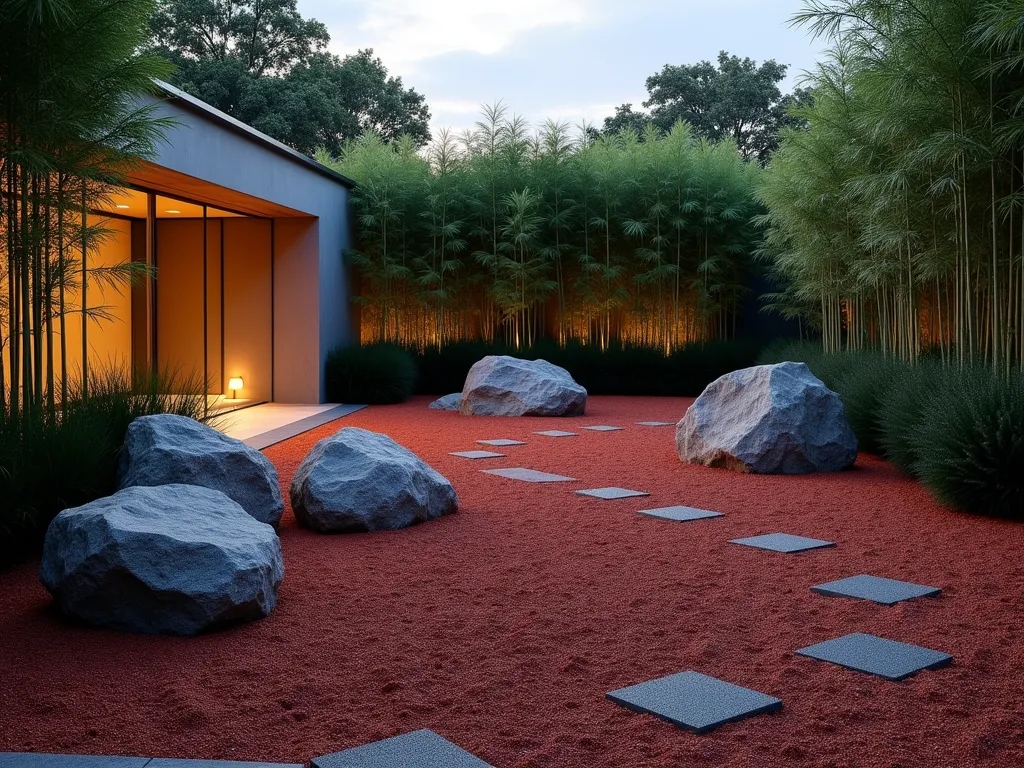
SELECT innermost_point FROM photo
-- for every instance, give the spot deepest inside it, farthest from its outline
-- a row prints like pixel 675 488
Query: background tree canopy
pixel 736 99
pixel 261 62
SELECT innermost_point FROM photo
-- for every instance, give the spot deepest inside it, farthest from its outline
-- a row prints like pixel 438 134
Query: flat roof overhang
pixel 176 184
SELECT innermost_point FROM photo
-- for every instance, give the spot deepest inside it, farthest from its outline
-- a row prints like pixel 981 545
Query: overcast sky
pixel 565 59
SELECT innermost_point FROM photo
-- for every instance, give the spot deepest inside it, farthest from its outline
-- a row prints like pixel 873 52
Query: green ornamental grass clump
pixel 377 374
pixel 50 461
pixel 970 444
pixel 901 411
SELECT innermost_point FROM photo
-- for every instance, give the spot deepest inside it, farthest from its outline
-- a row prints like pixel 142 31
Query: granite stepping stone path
pixel 611 493
pixel 555 433
pixel 477 454
pixel 876 589
pixel 694 701
pixel 503 443
pixel 877 656
pixel 680 514
pixel 656 423
pixel 418 749
pixel 604 428
pixel 783 542
pixel 528 475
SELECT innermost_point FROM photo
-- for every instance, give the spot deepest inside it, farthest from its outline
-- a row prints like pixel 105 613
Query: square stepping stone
pixel 477 454
pixel 680 514
pixel 555 433
pixel 170 762
pixel 876 589
pixel 783 542
pixel 694 701
pixel 604 428
pixel 656 423
pixel 419 749
pixel 528 475
pixel 45 760
pixel 877 656
pixel 500 443
pixel 611 493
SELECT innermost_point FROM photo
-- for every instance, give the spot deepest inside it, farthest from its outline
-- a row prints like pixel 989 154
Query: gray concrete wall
pixel 206 148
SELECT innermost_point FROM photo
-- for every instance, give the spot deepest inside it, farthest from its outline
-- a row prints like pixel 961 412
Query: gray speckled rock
pixel 165 449
pixel 357 480
pixel 770 419
pixel 170 559
pixel 500 385
pixel 447 403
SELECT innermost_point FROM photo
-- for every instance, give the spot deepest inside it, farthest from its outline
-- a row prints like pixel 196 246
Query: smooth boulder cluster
pixel 499 385
pixel 769 419
pixel 358 480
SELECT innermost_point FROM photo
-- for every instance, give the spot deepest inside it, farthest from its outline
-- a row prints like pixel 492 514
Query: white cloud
pixel 405 33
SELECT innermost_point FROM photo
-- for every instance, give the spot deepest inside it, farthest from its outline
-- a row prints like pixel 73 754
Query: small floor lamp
pixel 235 384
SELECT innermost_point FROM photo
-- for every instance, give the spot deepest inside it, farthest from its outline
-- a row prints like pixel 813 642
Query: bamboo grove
pixel 69 79
pixel 896 219
pixel 511 234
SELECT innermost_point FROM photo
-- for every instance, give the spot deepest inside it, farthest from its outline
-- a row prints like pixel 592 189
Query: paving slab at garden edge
pixel 783 542
pixel 876 589
pixel 611 493
pixel 555 433
pixel 694 701
pixel 477 454
pixel 604 428
pixel 656 423
pixel 418 749
pixel 877 656
pixel 170 762
pixel 680 514
pixel 41 760
pixel 500 443
pixel 528 475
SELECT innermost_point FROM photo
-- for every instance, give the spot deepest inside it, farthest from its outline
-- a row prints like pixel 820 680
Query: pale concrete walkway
pixel 263 425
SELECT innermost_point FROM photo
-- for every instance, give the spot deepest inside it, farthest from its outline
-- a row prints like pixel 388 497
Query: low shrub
pixel 618 370
pixel 51 461
pixel 376 374
pixel 970 444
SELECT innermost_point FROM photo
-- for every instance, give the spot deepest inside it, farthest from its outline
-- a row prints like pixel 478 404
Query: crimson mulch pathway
pixel 503 626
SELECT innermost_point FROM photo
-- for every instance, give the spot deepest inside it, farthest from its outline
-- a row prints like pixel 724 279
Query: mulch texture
pixel 503 626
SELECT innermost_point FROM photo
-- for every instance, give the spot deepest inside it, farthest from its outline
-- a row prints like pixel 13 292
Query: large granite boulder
pixel 770 419
pixel 357 480
pixel 171 559
pixel 447 403
pixel 165 449
pixel 500 385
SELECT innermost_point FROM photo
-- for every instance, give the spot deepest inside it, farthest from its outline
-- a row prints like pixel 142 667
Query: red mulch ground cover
pixel 502 627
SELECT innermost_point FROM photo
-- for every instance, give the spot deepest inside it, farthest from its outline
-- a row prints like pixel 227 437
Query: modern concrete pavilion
pixel 245 237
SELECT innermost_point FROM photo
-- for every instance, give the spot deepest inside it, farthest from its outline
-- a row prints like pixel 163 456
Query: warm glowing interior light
pixel 235 383
pixel 171 210
pixel 124 206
